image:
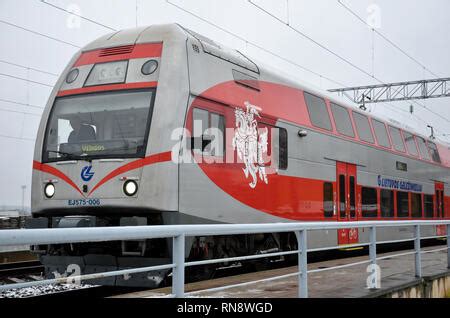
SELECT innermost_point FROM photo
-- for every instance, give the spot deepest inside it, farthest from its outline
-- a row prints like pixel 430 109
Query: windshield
pixel 101 125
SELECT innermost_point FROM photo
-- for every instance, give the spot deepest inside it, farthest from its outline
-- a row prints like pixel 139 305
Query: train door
pixel 347 194
pixel 440 211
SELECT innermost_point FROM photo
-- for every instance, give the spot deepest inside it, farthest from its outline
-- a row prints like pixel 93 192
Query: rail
pixel 179 232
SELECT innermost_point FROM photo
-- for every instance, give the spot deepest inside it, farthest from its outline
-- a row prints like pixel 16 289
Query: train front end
pixel 103 156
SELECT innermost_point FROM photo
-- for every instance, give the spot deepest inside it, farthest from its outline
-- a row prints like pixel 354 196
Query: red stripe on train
pixel 57 173
pixel 160 157
pixel 101 88
pixel 156 158
pixel 138 51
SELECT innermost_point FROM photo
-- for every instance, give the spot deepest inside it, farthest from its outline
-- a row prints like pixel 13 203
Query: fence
pixel 179 232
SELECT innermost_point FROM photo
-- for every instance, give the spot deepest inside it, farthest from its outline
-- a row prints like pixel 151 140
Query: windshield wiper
pixel 65 154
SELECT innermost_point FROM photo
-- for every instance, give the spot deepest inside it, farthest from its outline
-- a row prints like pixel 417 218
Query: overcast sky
pixel 41 38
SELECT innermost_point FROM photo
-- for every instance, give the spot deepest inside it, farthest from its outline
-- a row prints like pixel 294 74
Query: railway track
pixel 16 269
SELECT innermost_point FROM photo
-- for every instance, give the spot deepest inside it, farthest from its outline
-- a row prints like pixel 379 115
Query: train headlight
pixel 149 67
pixel 49 190
pixel 130 187
pixel 72 76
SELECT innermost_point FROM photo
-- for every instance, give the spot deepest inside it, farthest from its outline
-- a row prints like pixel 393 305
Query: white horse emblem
pixel 250 144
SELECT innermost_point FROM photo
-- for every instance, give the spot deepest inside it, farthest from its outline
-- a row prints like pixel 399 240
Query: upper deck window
pixel 104 125
pixel 434 152
pixel 397 139
pixel 318 112
pixel 423 148
pixel 381 133
pixel 410 144
pixel 342 120
pixel 363 127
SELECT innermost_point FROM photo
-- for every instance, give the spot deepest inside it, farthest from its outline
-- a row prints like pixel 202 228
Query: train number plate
pixel 83 202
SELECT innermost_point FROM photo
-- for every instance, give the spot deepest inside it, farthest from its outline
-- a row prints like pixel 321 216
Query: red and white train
pixel 160 125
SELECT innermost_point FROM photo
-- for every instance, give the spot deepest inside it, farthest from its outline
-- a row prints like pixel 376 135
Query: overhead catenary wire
pixel 78 15
pixel 393 108
pixel 17 138
pixel 384 37
pixel 39 34
pixel 25 79
pixel 336 54
pixel 255 45
pixel 28 68
pixel 19 103
pixel 19 112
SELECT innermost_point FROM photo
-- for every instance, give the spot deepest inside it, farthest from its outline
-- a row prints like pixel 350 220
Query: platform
pixel 397 274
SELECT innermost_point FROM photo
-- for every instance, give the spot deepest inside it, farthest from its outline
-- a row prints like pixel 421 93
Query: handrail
pixel 180 232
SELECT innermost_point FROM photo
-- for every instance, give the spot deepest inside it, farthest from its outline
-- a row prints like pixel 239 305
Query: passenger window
pixel 328 199
pixel 208 126
pixel 423 148
pixel 397 139
pixel 283 151
pixel 342 210
pixel 369 202
pixel 429 205
pixel 279 144
pixel 381 133
pixel 416 205
pixel 342 120
pixel 363 127
pixel 387 203
pixel 402 204
pixel 434 152
pixel 318 112
pixel 352 197
pixel 410 144
pixel 218 123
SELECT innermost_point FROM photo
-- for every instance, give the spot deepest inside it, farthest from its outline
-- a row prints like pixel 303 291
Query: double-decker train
pixel 160 125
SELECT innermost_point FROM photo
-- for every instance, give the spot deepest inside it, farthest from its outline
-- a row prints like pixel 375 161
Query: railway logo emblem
pixel 86 173
pixel 250 143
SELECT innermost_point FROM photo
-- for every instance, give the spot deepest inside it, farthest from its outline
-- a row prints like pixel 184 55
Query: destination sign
pixel 399 184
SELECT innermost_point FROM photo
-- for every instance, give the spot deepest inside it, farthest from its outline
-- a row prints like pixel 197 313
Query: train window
pixel 318 111
pixel 363 127
pixel 434 152
pixel 381 133
pixel 207 127
pixel 387 203
pixel 352 197
pixel 397 139
pixel 442 204
pixel 200 123
pixel 423 148
pixel 327 199
pixel 416 205
pixel 279 152
pixel 342 212
pixel 402 204
pixel 283 149
pixel 100 125
pixel 218 122
pixel 342 120
pixel 429 205
pixel 369 202
pixel 410 144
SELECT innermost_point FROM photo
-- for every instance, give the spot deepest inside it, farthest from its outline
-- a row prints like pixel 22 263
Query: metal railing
pixel 179 232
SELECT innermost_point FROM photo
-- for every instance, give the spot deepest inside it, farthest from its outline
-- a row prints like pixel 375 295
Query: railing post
pixel 302 263
pixel 448 245
pixel 178 271
pixel 373 245
pixel 418 256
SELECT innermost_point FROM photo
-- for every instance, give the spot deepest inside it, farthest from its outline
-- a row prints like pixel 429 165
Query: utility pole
pixel 23 198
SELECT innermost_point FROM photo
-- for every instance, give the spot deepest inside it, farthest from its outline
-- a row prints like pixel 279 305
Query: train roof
pixel 175 31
